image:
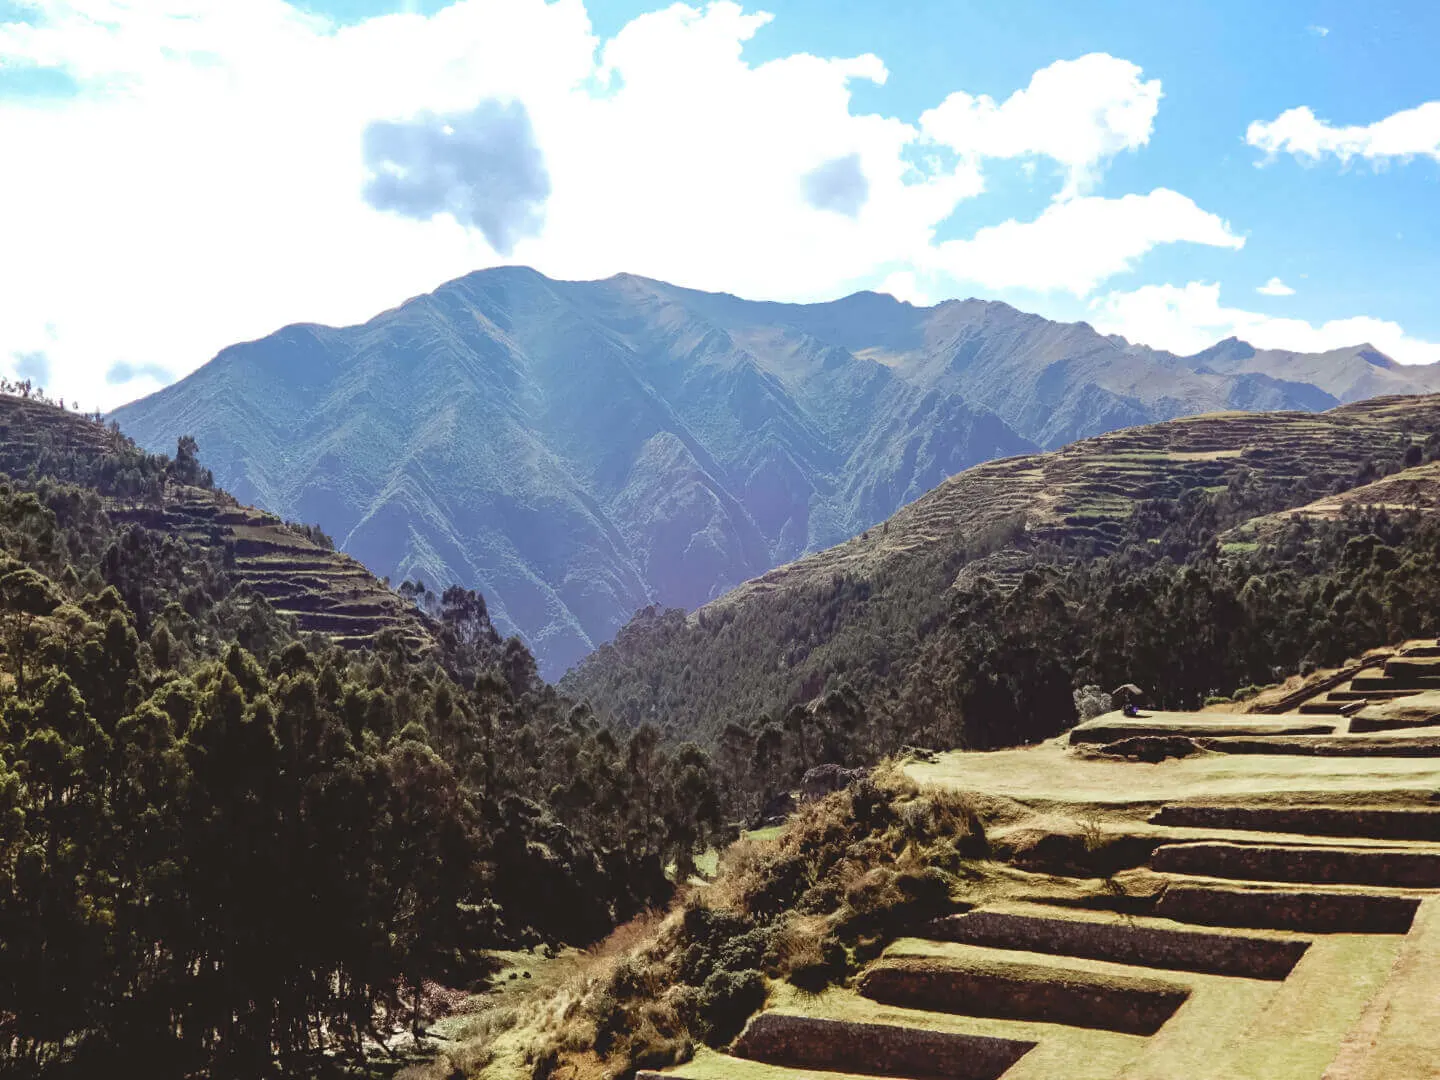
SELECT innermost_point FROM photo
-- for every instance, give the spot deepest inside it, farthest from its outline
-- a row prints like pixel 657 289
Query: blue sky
pixel 190 174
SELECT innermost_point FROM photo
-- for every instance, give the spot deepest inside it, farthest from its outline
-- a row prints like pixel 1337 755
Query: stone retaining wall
pixel 1101 732
pixel 1306 912
pixel 1025 992
pixel 1300 864
pixel 1380 823
pixel 1125 943
pixel 805 1042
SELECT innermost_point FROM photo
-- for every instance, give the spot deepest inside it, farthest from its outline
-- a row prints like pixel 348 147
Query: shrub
pixel 814 970
pixel 1245 693
pixel 727 1000
pixel 1091 701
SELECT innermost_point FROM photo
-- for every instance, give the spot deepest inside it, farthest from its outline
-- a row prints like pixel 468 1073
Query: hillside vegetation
pixel 294 567
pixel 971 616
pixel 580 450
pixel 1262 908
pixel 230 848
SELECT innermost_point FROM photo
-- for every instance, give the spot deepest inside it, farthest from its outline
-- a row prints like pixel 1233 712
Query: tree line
pixel 229 850
pixel 1174 605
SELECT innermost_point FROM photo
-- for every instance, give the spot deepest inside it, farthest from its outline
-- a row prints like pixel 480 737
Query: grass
pixel 770 832
pixel 1290 1031
pixel 1061 1051
pixel 1020 966
pixel 1397 1034
pixel 1115 725
pixel 850 859
pixel 712 1065
pixel 1047 773
pixel 1229 1027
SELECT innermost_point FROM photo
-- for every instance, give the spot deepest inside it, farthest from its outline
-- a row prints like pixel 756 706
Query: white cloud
pixel 1079 112
pixel 905 285
pixel 207 184
pixel 1401 135
pixel 1076 244
pixel 1190 318
pixel 1318 31
pixel 1275 287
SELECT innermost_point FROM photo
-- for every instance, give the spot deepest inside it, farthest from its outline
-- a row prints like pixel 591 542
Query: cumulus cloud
pixel 1080 113
pixel 668 152
pixel 122 372
pixel 1275 287
pixel 481 167
pixel 1186 319
pixel 904 285
pixel 1076 244
pixel 1399 136
pixel 838 185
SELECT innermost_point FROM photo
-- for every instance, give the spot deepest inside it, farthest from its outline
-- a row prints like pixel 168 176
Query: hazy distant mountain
pixel 577 450
pixel 1350 374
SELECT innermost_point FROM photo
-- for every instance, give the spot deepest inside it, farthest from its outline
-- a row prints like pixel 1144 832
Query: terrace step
pixel 1299 864
pixel 308 569
pixel 1397 1034
pixel 1302 910
pixel 1368 695
pixel 1423 745
pixel 296 562
pixel 1365 724
pixel 1411 666
pixel 1375 822
pixel 806 1042
pixel 737 1068
pixel 339 624
pixel 1152 943
pixel 978 986
pixel 1113 726
pixel 1388 682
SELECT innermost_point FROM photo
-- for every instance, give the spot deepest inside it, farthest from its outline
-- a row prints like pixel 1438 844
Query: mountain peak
pixel 1231 349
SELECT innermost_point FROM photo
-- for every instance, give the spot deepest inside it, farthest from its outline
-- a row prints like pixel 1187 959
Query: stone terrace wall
pixel 1125 943
pixel 1026 992
pixel 804 1042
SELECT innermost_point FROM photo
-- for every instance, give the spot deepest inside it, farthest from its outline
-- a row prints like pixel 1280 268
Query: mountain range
pixel 580 450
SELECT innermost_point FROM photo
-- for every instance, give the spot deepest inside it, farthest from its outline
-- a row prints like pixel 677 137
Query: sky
pixel 180 175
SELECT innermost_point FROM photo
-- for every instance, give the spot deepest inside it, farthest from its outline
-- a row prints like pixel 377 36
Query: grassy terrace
pixel 1049 773
pixel 1215 915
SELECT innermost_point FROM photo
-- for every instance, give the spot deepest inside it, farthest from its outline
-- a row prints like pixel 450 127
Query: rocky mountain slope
pixel 578 450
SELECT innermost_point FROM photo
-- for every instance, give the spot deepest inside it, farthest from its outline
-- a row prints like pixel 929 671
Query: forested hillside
pixel 579 450
pixel 227 846
pixel 971 616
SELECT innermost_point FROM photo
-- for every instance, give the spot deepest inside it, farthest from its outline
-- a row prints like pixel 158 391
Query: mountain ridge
pixel 864 616
pixel 580 450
